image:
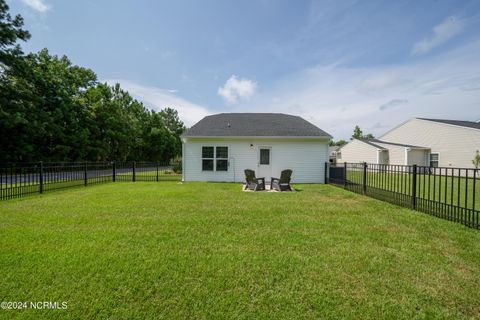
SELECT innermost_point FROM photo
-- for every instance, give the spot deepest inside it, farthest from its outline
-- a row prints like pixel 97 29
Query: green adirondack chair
pixel 252 182
pixel 282 183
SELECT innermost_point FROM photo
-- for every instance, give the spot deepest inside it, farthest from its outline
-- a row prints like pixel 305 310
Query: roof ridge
pixel 460 123
pixel 441 119
pixel 394 143
pixel 243 124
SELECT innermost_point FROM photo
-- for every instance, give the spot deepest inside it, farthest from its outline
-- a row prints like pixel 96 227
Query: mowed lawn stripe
pixel 208 250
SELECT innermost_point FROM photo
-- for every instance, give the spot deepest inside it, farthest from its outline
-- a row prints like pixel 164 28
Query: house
pixel 332 152
pixel 220 147
pixel 421 141
pixel 382 152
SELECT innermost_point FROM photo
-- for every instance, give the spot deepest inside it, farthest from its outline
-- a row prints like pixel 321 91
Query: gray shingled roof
pixel 373 141
pixel 461 123
pixel 368 141
pixel 254 124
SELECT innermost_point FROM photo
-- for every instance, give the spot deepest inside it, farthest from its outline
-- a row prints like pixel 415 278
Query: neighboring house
pixel 382 152
pixel 426 142
pixel 332 152
pixel 220 147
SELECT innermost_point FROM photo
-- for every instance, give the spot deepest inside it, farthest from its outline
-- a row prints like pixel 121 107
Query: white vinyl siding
pixel 357 151
pixel 383 157
pixel 418 157
pixel 306 157
pixel 396 154
pixel 456 145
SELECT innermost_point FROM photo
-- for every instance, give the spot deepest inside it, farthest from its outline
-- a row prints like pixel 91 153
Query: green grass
pixel 208 250
pixel 8 191
pixel 445 189
pixel 163 175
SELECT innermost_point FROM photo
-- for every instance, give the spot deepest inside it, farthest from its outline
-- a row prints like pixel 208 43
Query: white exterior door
pixel 264 163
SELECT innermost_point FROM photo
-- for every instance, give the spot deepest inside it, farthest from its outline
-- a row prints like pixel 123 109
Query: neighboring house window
pixel 207 158
pixel 339 155
pixel 222 159
pixel 434 160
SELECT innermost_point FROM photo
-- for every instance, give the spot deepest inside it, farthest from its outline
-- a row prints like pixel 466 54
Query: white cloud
pixel 38 5
pixel 446 30
pixel 336 98
pixel 236 89
pixel 377 82
pixel 157 99
pixel 392 104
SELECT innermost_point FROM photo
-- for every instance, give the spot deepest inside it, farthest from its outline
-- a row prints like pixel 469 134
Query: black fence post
pixel 414 187
pixel 157 170
pixel 473 199
pixel 345 175
pixel 364 182
pixel 133 171
pixel 41 177
pixel 326 174
pixel 85 175
pixel 114 171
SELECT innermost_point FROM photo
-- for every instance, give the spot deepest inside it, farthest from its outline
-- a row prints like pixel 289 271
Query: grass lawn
pixel 207 250
pixel 458 191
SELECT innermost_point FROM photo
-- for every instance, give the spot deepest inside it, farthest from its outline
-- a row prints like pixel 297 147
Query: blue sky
pixel 335 63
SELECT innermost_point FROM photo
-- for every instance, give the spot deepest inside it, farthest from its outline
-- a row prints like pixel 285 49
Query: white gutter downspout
pixel 407 150
pixel 183 159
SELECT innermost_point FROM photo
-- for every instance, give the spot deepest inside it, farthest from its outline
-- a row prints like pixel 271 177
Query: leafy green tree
pixel 368 136
pixel 476 160
pixel 338 143
pixel 41 108
pixel 10 32
pixel 53 110
pixel 115 124
pixel 161 142
pixel 172 121
pixel 358 134
pixel 175 126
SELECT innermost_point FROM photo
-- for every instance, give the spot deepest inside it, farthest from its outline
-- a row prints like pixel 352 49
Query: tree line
pixel 53 110
pixel 357 134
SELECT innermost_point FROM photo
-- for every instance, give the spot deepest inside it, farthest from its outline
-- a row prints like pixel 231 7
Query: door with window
pixel 265 163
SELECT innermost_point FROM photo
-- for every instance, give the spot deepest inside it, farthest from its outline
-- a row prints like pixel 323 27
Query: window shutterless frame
pixel 221 159
pixel 208 156
pixel 214 158
pixel 434 160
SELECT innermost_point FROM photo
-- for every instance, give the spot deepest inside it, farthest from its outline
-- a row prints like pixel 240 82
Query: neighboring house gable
pixel 359 151
pixel 452 142
pixel 383 152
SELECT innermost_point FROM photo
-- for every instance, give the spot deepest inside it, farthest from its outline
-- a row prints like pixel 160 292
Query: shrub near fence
pixel 448 193
pixel 20 179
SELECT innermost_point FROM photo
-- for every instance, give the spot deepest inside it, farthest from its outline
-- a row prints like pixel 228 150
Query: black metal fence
pixel 445 192
pixel 20 179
